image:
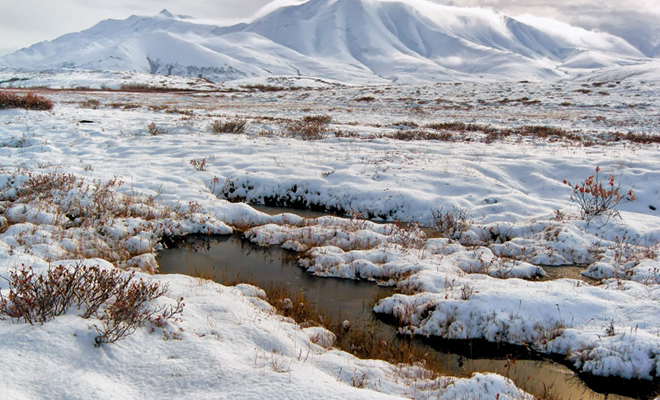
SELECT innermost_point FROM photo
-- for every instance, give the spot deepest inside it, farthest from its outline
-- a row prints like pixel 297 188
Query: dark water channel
pixel 230 258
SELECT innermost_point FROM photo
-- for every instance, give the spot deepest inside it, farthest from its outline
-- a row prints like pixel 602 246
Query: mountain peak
pixel 166 14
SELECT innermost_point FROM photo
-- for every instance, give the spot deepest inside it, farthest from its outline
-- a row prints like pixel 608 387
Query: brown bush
pixel 453 223
pixel 236 125
pixel 121 300
pixel 310 127
pixel 418 134
pixel 30 101
pixel 155 130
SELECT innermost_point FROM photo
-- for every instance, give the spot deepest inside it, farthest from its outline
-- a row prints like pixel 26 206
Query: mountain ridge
pixel 347 40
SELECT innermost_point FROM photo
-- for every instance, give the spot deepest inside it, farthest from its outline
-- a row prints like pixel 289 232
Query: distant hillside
pixel 346 40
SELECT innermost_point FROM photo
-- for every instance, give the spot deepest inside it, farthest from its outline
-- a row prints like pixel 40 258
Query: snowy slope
pixel 348 40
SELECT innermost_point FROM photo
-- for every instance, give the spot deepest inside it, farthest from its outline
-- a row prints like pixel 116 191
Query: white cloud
pixel 634 20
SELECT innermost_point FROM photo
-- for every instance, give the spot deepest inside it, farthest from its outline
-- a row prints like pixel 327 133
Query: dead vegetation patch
pixel 89 219
pixel 235 125
pixel 420 134
pixel 120 301
pixel 30 101
pixel 145 87
pixel 268 88
pixel 310 127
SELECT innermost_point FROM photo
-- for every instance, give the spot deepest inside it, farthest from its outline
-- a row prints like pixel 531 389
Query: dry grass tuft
pixel 236 125
pixel 311 127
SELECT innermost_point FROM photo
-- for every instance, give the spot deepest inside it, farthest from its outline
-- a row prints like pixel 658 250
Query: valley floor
pixel 106 174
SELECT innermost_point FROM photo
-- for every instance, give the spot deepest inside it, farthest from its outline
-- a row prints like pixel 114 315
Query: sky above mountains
pixel 26 22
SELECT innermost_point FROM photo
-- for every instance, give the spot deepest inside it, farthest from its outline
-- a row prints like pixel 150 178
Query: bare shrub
pixel 340 133
pixel 460 127
pixel 134 86
pixel 30 101
pixel 641 138
pixel 266 88
pixel 39 186
pixel 416 134
pixel 357 221
pixel 236 125
pixel 121 300
pixel 359 380
pixel 311 127
pixel 54 188
pixel 39 298
pixel 448 126
pixel 545 132
pixel 408 235
pixel 199 164
pixel 631 249
pixel 145 87
pixel 494 133
pixel 596 198
pixel 404 125
pixel 155 130
pixel 453 223
pixel 129 310
pixel 610 331
pixel 467 291
pixel 321 119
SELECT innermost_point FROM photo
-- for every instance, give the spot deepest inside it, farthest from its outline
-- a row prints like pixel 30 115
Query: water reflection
pixel 227 259
pixel 230 259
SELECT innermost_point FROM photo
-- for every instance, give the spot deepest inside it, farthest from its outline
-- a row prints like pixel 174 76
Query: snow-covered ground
pixel 177 175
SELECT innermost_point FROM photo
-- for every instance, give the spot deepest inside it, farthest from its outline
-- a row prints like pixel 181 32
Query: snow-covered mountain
pixel 346 40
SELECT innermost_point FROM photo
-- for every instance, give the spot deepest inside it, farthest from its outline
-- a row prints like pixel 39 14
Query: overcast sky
pixel 25 22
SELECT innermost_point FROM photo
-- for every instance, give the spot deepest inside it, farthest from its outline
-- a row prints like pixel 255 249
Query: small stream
pixel 231 258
